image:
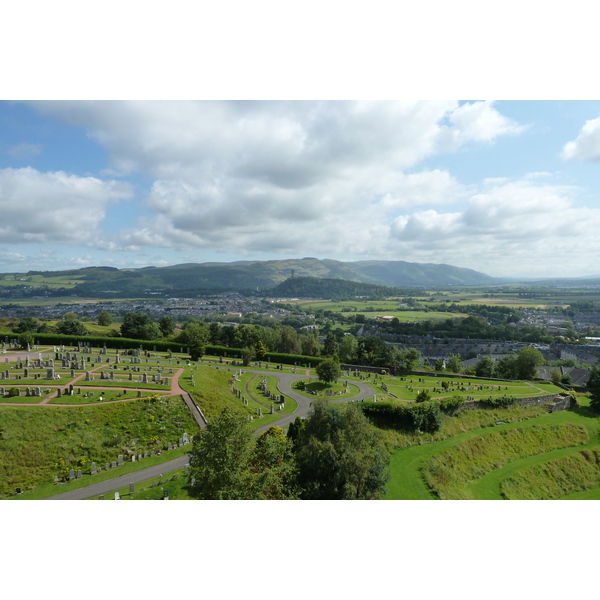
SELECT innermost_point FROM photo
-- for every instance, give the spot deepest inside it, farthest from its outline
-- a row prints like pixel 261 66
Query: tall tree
pixel 140 326
pixel 71 327
pixel 104 318
pixel 271 473
pixel 528 359
pixel 329 370
pixel 219 457
pixel 485 367
pixel 193 333
pixel 330 347
pixel 341 455
pixel 454 364
pixel 593 386
pixel 166 325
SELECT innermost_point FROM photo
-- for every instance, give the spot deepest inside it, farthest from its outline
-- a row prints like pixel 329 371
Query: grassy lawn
pixel 405 465
pixel 249 385
pixel 175 483
pixel 407 388
pixel 93 397
pixel 100 383
pixel 37 443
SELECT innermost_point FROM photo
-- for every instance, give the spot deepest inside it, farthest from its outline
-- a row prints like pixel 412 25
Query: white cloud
pixel 587 144
pixel 53 207
pixel 423 188
pixel 336 179
pixel 508 228
pixel 7 257
pixel 481 122
pixel 24 151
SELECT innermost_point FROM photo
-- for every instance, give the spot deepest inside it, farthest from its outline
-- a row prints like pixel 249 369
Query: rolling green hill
pixel 206 278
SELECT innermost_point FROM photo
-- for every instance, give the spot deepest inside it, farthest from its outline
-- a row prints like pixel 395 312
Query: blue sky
pixel 509 188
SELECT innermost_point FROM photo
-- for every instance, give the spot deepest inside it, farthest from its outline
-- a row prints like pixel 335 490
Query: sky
pixel 508 188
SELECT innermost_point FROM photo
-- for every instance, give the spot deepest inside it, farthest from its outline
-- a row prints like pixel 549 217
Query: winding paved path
pixel 284 385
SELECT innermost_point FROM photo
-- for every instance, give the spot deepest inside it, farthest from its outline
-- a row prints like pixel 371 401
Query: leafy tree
pixel 341 455
pixel 214 334
pixel 454 364
pixel 193 333
pixel 260 350
pixel 439 365
pixel 140 326
pixel 104 319
pixel 219 457
pixel 329 370
pixel 26 324
pixel 295 429
pixel 197 351
pixel 26 338
pixel 427 416
pixel 71 316
pixel 593 386
pixel 248 354
pixel 528 359
pixel 166 325
pixel 506 367
pixel 347 349
pixel 330 347
pixel 423 396
pixel 288 343
pixel 411 358
pixel 309 344
pixel 271 473
pixel 485 367
pixel 71 327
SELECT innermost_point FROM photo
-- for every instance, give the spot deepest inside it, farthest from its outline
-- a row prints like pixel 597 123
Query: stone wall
pixel 554 403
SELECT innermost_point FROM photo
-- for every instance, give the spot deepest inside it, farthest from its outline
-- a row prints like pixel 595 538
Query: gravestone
pixel 131 488
pixel 93 468
pixel 117 496
pixel 114 464
pixel 71 474
pixel 120 458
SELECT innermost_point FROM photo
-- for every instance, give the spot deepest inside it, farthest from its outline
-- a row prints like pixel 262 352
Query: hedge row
pixel 57 339
pixel 423 416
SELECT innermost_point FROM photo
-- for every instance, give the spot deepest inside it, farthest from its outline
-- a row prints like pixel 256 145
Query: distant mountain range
pixel 204 278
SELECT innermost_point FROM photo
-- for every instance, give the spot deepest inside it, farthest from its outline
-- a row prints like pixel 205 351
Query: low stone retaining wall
pixel 554 402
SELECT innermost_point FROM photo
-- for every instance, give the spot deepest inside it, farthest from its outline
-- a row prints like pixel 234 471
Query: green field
pixel 407 464
pixel 407 388
pixel 377 308
pixel 37 443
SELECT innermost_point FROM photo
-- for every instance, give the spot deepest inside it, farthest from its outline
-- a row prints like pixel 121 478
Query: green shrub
pixel 499 401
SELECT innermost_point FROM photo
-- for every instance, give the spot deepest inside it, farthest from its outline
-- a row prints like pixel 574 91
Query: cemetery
pixel 115 411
